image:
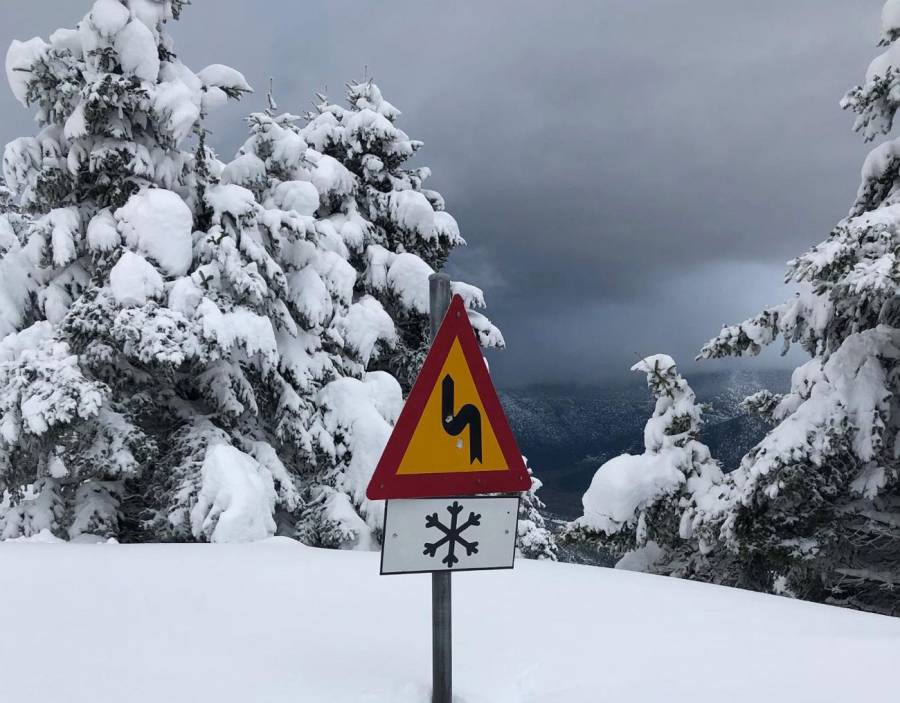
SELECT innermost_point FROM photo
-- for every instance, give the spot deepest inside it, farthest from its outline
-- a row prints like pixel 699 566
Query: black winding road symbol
pixel 455 423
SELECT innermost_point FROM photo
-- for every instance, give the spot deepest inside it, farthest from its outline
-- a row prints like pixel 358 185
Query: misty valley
pixel 567 432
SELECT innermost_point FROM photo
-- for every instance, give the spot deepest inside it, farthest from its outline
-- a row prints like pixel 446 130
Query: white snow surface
pixel 276 622
pixel 329 175
pixel 365 324
pixel 412 211
pixel 151 12
pixel 12 345
pixel 103 233
pixel 246 171
pixel 847 391
pixel 236 500
pixel 220 76
pixel 138 52
pixel 883 63
pixel 408 279
pixel 134 281
pixel 178 97
pixel 109 17
pixel 363 413
pixel 626 484
pixel 20 57
pixel 300 196
pixel 890 16
pixel 157 223
pixel 643 559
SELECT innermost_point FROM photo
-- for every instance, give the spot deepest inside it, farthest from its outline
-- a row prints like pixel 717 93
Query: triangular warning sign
pixel 452 438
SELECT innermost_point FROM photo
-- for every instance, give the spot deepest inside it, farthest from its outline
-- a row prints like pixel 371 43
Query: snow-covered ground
pixel 281 622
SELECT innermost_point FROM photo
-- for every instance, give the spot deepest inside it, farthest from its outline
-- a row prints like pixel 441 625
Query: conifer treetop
pixel 675 470
pixel 811 505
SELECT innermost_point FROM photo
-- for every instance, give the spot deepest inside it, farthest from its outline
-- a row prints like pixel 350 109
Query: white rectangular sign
pixel 449 534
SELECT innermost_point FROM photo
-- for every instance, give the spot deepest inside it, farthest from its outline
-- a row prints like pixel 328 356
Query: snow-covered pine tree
pixel 360 304
pixel 407 232
pixel 650 511
pixel 535 540
pixel 187 348
pixel 815 509
pixel 333 416
pixel 140 361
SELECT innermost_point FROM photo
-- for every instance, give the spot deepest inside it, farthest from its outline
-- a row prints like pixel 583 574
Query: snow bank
pixel 281 623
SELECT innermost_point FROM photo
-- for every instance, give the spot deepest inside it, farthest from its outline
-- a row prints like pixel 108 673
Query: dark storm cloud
pixel 629 175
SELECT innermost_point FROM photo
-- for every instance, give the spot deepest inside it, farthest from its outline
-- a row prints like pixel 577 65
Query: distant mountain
pixel 568 432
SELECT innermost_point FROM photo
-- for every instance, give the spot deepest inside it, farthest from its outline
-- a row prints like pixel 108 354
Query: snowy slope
pixel 279 622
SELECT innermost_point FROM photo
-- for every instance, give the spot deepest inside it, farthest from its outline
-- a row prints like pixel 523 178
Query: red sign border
pixel 387 484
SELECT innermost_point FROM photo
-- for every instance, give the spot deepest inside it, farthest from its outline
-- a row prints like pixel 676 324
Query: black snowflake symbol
pixel 452 535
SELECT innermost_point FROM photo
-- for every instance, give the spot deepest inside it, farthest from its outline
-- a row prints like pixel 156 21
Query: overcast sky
pixel 629 175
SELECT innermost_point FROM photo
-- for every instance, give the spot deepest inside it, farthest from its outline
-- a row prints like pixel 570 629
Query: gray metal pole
pixel 439 300
pixel 441 638
pixel 441 627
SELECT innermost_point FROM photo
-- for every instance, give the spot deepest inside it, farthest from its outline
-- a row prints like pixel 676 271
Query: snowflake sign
pixel 452 534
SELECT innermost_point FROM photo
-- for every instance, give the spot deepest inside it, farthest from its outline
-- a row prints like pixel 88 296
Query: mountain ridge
pixel 568 431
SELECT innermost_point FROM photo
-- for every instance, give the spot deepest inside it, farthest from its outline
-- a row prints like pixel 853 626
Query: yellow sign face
pixel 454 434
pixel 452 438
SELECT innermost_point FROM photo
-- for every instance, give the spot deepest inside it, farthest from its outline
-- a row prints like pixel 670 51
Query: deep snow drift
pixel 279 622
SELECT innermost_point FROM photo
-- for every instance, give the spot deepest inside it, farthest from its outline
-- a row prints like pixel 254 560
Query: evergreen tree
pixel 407 232
pixel 363 306
pixel 141 306
pixel 534 540
pixel 650 511
pixel 333 415
pixel 814 509
pixel 96 235
pixel 193 350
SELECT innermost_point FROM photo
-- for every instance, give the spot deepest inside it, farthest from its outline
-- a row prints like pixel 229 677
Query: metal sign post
pixel 444 472
pixel 441 606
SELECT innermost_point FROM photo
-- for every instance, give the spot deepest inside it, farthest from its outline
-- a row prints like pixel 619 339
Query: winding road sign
pixel 452 438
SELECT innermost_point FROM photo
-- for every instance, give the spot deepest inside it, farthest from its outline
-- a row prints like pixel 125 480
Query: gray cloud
pixel 629 175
